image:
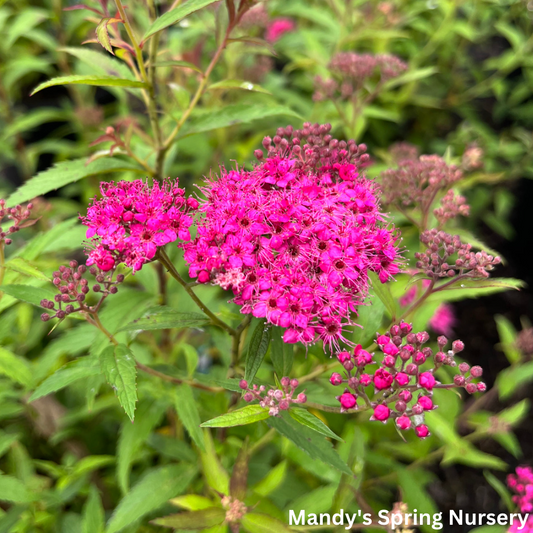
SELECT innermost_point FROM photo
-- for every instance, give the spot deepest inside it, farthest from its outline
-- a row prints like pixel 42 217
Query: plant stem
pixel 167 263
pixel 2 265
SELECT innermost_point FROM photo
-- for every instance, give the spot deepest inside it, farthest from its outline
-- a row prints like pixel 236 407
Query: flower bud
pixel 442 341
pixel 427 380
pixel 365 380
pixel 459 380
pixel 406 396
pixel 422 337
pixel 335 379
pixel 400 406
pixel 390 349
pixel 203 276
pixel 61 314
pixel 471 388
pixel 284 405
pixel 344 356
pixel 120 278
pixel 278 394
pixel 440 357
pixel 285 381
pixel 347 400
pixel 381 413
pixel 45 317
pixel 476 371
pixel 69 309
pixel 402 379
pixel 113 290
pixel 422 431
pixel 395 330
pixel 458 346
pixel 243 384
pixel 389 361
pixel 403 422
pixel 348 365
pixel 464 368
pixel 481 387
pixel 382 340
pixel 248 397
pixel 411 338
pixel 417 409
pixel 302 398
pixel 97 288
pixel 411 369
pixel 426 402
pixel 405 328
pixel 294 383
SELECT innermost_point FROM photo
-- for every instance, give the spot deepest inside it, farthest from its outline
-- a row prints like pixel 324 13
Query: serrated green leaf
pixel 20 265
pixel 64 173
pixel 78 369
pixel 230 115
pixel 464 289
pixel 307 419
pixel 118 365
pixel 28 294
pixel 187 409
pixel 99 81
pixel 383 292
pixel 153 490
pixel 93 513
pixel 316 446
pixel 262 523
pixel 175 15
pixel 102 34
pixel 257 350
pixel 237 84
pixel 241 417
pixel 193 519
pixel 15 368
pixel 163 317
pixel 281 353
pixel 14 490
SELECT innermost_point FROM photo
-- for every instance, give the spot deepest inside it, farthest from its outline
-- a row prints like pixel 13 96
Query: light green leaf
pixel 212 119
pixel 241 417
pixel 475 288
pixel 14 490
pixel 64 173
pixel 17 264
pixel 101 63
pixel 410 76
pixel 187 409
pixel 272 480
pixel 192 502
pixel 515 414
pixel 28 294
pixel 163 317
pixel 281 353
pixel 118 365
pixel 203 519
pixel 175 15
pixel 78 369
pixel 237 84
pixel 508 336
pixel 99 81
pixel 500 488
pixel 257 350
pixel 316 446
pixel 179 64
pixel 383 292
pixel 304 417
pixel 510 379
pixel 15 368
pixel 262 523
pixel 93 513
pixel 157 487
pixel 216 477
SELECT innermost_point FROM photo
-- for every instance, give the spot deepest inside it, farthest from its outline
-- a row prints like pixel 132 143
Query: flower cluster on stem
pixel 17 219
pixel 521 483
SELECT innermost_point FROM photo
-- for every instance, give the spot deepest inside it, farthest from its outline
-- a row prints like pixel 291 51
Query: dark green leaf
pixel 14 367
pixel 304 417
pixel 257 350
pixel 262 523
pixel 239 475
pixel 203 519
pixel 118 365
pixel 166 318
pixel 500 488
pixel 246 415
pixel 99 81
pixel 281 353
pixel 187 409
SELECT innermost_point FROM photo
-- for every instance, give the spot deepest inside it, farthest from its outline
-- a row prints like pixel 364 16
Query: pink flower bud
pixel 403 422
pixel 422 431
pixel 464 368
pixel 471 388
pixel 302 398
pixel 389 361
pixel 335 379
pixel 348 400
pixel 381 413
pixel 294 383
pixel 45 317
pixel 284 405
pixel 417 409
pixel 382 340
pixel 427 380
pixel 411 369
pixel 411 338
pixel 348 365
pixel 481 387
pixel 426 402
pixel 406 396
pixel 422 337
pixel 382 379
pixel 402 379
pixel 243 384
pixel 442 341
pixel 419 358
pixel 192 203
pixel 458 346
pixel 405 355
pixel 459 380
pixel 203 276
pixel 476 371
pixel 285 381
pixel 365 380
pixel 400 406
pixel 353 382
pixel 248 397
pixel 405 328
pixel 395 330
pixel 390 349
pixel 344 356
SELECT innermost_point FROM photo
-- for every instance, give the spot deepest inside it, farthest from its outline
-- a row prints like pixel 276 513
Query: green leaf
pixel 216 477
pixel 93 513
pixel 239 475
pixel 272 480
pixel 475 288
pixel 508 336
pixel 187 409
pixel 179 64
pixel 64 173
pixel 15 368
pixel 28 294
pixel 78 369
pixel 101 63
pixel 118 365
pixel 14 490
pixel 99 81
pixel 163 317
pixel 257 350
pixel 304 417
pixel 500 488
pixel 316 446
pixel 17 264
pixel 410 76
pixel 192 502
pixel 154 489
pixel 102 35
pixel 246 415
pixel 212 119
pixel 383 292
pixel 175 15
pixel 281 353
pixel 203 519
pixel 262 523
pixel 515 414
pixel 237 84
pixel 510 379
pixel 490 529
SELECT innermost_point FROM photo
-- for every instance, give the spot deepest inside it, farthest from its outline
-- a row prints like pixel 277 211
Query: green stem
pixel 2 265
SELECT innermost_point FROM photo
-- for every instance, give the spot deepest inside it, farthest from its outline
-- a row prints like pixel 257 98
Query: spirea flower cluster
pixel 16 216
pixel 132 219
pixel 402 389
pixel 521 483
pixel 295 237
pixel 275 400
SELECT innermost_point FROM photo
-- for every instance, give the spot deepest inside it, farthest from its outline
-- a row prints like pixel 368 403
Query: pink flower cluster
pixel 295 237
pixel 275 400
pixel 522 484
pixel 133 219
pixel 16 215
pixel 400 377
pixel 277 28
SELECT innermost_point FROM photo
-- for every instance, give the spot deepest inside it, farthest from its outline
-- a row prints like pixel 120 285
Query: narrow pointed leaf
pixel 238 84
pixel 241 417
pixel 257 350
pixel 281 353
pixel 239 476
pixel 194 519
pixel 179 64
pixel 304 417
pixel 166 318
pixel 262 523
pixel 99 81
pixel 14 367
pixel 187 409
pixel 27 293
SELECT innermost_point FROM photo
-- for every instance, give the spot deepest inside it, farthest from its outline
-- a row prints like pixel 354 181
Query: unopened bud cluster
pixel 73 289
pixel 275 400
pixel 441 247
pixel 16 217
pixel 451 206
pixel 235 509
pixel 403 390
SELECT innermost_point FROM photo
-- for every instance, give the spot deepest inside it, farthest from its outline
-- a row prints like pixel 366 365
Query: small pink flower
pixel 390 349
pixel 422 431
pixel 277 28
pixel 365 380
pixel 402 379
pixel 382 379
pixel 426 402
pixel 427 380
pixel 347 400
pixel 335 379
pixel 343 356
pixel 381 413
pixel 403 422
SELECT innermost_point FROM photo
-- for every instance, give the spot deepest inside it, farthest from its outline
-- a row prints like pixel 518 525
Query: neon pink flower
pixel 277 28
pixel 443 320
